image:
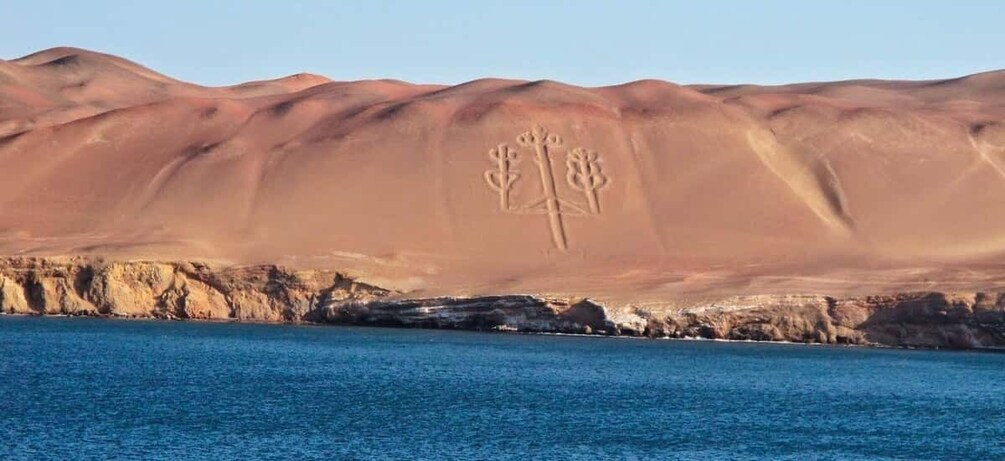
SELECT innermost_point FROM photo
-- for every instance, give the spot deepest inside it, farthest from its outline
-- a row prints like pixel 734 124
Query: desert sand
pixel 644 194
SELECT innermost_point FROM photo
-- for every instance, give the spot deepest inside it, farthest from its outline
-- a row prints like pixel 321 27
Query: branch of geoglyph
pixel 584 175
pixel 502 178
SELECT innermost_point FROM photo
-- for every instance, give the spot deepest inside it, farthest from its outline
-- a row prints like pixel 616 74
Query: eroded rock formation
pixel 268 293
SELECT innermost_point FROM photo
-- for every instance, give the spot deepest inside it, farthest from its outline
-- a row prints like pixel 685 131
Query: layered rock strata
pixel 269 293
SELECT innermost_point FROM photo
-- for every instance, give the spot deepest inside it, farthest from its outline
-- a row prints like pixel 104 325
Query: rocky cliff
pixel 269 293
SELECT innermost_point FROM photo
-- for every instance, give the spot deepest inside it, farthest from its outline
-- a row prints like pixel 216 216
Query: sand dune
pixel 637 192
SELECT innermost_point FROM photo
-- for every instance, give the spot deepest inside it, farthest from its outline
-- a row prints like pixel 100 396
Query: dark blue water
pixel 98 389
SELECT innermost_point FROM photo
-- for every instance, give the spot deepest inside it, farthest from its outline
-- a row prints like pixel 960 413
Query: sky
pixel 585 42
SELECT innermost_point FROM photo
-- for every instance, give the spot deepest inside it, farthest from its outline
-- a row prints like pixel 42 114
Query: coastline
pixel 276 295
pixel 991 349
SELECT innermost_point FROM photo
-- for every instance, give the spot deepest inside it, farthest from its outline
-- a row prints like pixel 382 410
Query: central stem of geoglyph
pixel 541 141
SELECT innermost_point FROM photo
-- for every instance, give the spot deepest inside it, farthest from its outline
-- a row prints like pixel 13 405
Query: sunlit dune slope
pixel 503 185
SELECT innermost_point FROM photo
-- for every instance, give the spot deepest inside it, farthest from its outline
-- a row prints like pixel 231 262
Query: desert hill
pixel 644 192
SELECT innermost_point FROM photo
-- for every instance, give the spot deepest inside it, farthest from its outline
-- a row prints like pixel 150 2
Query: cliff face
pixel 190 290
pixel 76 286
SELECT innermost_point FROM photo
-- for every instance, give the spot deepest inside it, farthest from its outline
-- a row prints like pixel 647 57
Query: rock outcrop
pixel 268 293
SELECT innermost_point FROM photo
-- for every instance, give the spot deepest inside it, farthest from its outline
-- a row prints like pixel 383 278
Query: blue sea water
pixel 115 389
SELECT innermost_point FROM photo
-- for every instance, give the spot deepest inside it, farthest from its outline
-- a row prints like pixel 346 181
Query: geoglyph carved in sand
pixel 582 175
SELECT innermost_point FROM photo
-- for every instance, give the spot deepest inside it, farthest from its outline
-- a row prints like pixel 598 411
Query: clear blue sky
pixel 583 42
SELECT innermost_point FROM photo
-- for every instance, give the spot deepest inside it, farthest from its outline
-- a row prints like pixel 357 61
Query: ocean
pixel 80 388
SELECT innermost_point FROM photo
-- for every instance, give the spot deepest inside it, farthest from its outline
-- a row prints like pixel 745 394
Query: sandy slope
pixel 678 191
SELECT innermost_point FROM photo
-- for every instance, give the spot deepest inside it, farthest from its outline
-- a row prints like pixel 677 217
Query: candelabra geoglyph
pixel 583 175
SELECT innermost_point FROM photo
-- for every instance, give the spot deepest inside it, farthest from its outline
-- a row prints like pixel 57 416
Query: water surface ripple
pixel 102 389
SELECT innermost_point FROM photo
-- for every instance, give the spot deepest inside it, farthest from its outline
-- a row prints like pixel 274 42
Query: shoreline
pixel 188 290
pixel 995 350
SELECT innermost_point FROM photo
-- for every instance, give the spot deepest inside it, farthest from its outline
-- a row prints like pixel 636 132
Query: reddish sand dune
pixel 638 192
